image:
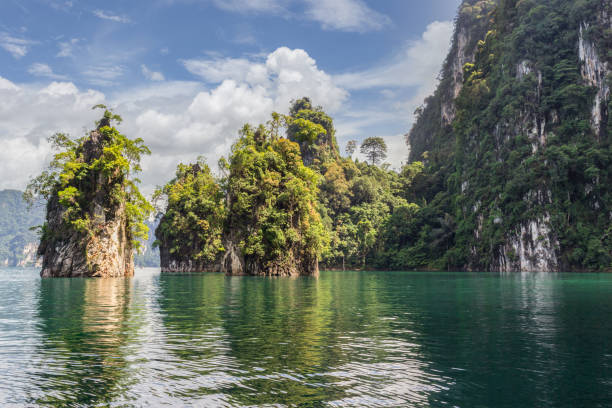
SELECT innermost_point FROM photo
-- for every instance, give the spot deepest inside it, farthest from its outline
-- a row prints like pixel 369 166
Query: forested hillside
pixel 509 167
pixel 516 141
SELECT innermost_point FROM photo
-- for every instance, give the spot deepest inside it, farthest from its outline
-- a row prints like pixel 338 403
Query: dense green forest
pixel 509 158
pixel 278 211
pixel 509 165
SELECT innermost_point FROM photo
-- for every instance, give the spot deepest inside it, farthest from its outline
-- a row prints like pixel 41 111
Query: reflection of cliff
pixel 83 326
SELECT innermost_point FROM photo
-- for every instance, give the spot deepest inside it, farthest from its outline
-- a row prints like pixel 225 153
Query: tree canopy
pixel 375 149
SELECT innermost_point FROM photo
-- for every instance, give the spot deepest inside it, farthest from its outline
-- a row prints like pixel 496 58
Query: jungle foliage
pixel 492 170
pixel 341 211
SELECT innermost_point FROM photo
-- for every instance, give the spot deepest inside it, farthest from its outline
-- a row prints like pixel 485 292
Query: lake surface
pixel 346 339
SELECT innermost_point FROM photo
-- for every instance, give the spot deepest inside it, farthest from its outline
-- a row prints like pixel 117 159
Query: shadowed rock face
pixel 234 263
pixel 105 250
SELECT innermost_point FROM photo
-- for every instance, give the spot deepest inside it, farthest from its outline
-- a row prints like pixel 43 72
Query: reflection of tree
pixel 190 309
pixel 83 325
pixel 294 335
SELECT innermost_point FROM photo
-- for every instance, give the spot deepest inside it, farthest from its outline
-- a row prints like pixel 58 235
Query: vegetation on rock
pixel 191 229
pixel 93 203
pixel 270 226
pixel 519 178
pixel 272 209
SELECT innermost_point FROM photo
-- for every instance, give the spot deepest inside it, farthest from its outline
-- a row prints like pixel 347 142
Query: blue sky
pixel 186 73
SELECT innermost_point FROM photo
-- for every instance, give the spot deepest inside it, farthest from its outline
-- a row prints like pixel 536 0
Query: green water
pixel 345 339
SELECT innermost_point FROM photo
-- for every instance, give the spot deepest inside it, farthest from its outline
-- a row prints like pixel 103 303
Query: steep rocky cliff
pixel 190 230
pixel 432 130
pixel 105 248
pixel 95 213
pixel 524 169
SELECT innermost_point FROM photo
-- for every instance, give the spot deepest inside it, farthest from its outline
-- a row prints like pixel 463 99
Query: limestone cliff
pixel 95 213
pixel 432 127
pixel 260 219
pixel 523 167
pixel 105 249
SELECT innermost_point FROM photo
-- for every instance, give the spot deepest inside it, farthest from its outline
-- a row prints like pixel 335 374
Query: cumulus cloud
pixel 285 74
pixel 29 115
pixel 17 47
pixel 43 70
pixel 111 17
pixel 418 65
pixel 346 15
pixel 151 75
pixel 178 120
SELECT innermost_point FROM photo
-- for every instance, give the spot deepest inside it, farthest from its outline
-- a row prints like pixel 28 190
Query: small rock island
pixel 95 212
pixel 261 217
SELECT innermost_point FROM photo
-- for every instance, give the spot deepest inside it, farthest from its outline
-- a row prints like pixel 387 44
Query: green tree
pixel 273 203
pixel 192 225
pixel 375 149
pixel 351 147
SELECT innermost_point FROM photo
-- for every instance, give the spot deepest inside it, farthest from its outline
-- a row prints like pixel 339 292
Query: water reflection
pixel 346 339
pixel 83 327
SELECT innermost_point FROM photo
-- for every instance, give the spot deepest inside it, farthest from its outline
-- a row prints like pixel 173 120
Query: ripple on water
pixel 346 339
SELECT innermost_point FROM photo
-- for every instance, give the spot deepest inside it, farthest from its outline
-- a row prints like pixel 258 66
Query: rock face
pixel 594 71
pixel 233 263
pixel 432 127
pixel 171 263
pixel 105 250
pixel 519 132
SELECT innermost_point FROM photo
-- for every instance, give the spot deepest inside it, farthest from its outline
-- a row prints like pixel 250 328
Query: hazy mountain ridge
pixel 18 244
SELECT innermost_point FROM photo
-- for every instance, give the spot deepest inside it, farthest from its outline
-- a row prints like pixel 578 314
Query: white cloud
pixel 17 47
pixel 43 70
pixel 285 74
pixel 245 6
pixel 151 75
pixel 178 120
pixel 30 114
pixel 66 48
pixel 103 75
pixel 218 69
pixel 346 15
pixel 111 17
pixel 418 65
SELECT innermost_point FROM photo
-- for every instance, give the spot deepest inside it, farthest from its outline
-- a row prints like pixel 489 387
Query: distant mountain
pixel 149 256
pixel 18 243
